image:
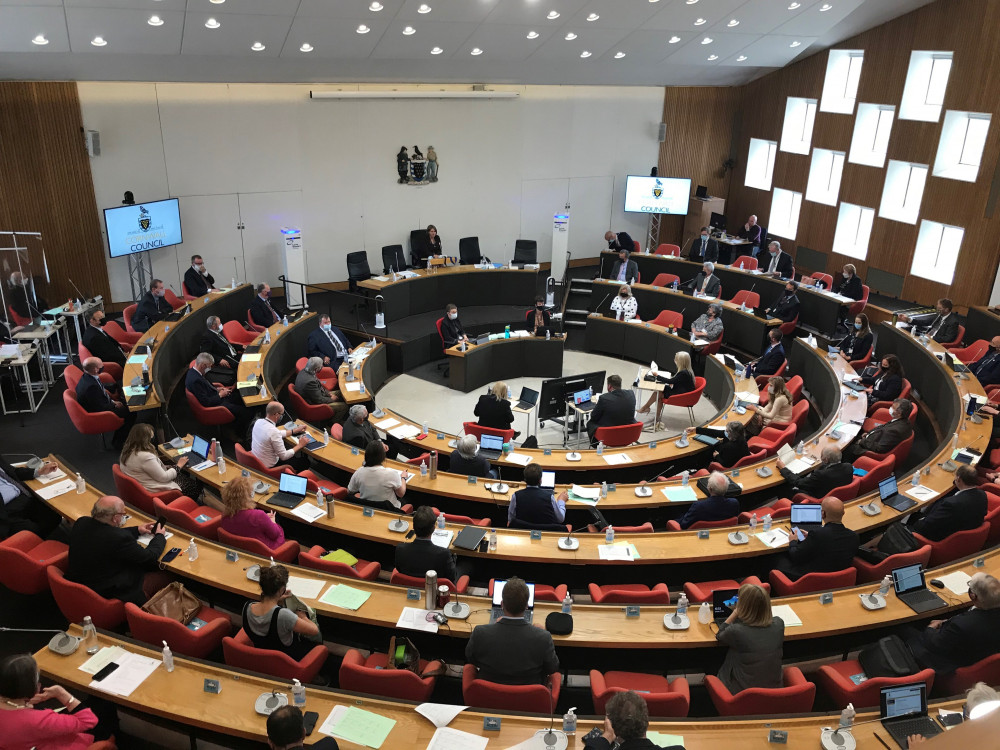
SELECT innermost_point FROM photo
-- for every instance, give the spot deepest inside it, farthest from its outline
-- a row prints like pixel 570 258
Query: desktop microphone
pixel 841 737
pixel 686 243
pixel 457 610
pixel 366 332
pixel 568 542
pixel 551 739
pixel 61 643
pixel 752 287
pixel 597 309
pixel 82 295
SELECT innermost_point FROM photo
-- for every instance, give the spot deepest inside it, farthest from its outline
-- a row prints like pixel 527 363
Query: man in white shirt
pixel 268 443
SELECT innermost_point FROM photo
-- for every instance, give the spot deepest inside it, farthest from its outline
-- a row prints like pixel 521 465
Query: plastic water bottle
pixel 424 427
pixel 954 442
pixel 684 478
pixel 232 284
pixel 569 721
pixel 423 468
pixel 440 521
pixel 548 334
pixel 79 304
pixel 263 390
pixel 493 540
pixel 753 523
pixel 361 389
pixel 326 437
pixel 90 636
pixel 800 448
pixel 506 332
pixel 284 321
pixel 692 336
pixel 81 484
pixel 168 658
pixel 609 534
pixel 705 613
pixel 675 285
pixel 741 265
pixel 682 604
pixel 192 551
pixel 222 464
pixel 915 479
pixel 567 604
pixel 767 522
pixel 320 499
pixel 604 490
pixel 600 448
pixel 267 336
pixel 298 694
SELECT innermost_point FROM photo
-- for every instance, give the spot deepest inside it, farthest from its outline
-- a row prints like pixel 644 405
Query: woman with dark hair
pixel 376 483
pixel 755 639
pixel 269 624
pixel 433 241
pixel 858 342
pixel 539 319
pixel 886 384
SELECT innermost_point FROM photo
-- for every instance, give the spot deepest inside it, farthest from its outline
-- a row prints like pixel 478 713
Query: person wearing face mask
pixel 709 324
pixel 619 241
pixel 778 408
pixel 152 307
pixel 107 558
pixel 887 382
pixel 943 328
pixel 858 342
pixel 987 368
pixel 539 319
pixel 960 511
pixel 624 269
pixel 328 343
pixel 451 329
pixel 197 280
pixel 779 263
pixel 706 283
pixel 227 358
pixel 624 306
pixel 771 360
pixel 94 397
pixel 887 436
pixel 705 248
pixel 850 285
pixel 262 311
pixel 786 307
pixel 102 346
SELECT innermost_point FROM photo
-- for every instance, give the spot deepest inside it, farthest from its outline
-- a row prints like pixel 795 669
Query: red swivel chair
pixel 543 593
pixel 876 472
pixel 993 519
pixel 173 300
pixel 750 458
pixel 796 696
pixel 667 318
pixel 859 307
pixel 903 393
pixel 210 416
pixel 712 348
pixel 18 319
pixel 135 494
pixel 111 368
pixel 696 475
pixel 471 428
pixel 326 375
pixel 90 423
pixel 123 338
pixel 782 585
pixel 618 436
pixel 314 481
pixel 72 373
pixel 800 410
pixel 688 399
pixel 663 697
pixel 76 601
pixel 481 693
pixel 860 364
pixel 667 249
pixel 750 299
pixel 761 380
pixel 748 262
pixel 185 512
pixel 881 416
pixel 794 385
pixel 985 670
pixel 373 677
pixel 362 569
pixel 646 528
pixel 337 432
pixel 779 509
pixel 666 279
pixel 314 413
pixel 187 295
pixel 872 572
pixel 957 545
pixel 237 334
pixel 638 247
pixel 845 492
pixel 901 451
pixel 467 520
pixel 249 460
pixel 417 460
pixel 956 343
pixel 254 326
pixel 629 593
pixel 154 629
pixel 288 552
pixel 702 592
pixel 672 525
pixel 836 681
pixel 127 314
pixel 413 582
pixel 787 329
pixel 241 653
pixel 771 438
pixel 826 278
pixel 24 558
pixel 972 352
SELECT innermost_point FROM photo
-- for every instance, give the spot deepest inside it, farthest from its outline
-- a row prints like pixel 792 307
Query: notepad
pixel 615 551
pixel 363 727
pixel 442 537
pixel 354 386
pixel 137 359
pixel 665 740
pixel 101 659
pixel 787 614
pixel 404 432
pixel 455 739
pixel 308 512
pixel 412 618
pixel 747 397
pixel 920 492
pixel 387 424
pixel 250 357
pixel 54 490
pixel 590 493
pixel 133 669
pixel 957 582
pixel 518 458
pixel 340 556
pixel 52 476
pixel 773 538
pixel 246 384
pixel 305 588
pixel 344 596
pixel 439 714
pixel 680 494
pixel 617 459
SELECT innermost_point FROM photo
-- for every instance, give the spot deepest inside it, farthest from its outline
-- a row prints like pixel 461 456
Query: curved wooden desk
pixel 287 344
pixel 500 359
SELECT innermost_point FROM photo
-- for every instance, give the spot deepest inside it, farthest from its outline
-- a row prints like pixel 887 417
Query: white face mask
pixel 452 315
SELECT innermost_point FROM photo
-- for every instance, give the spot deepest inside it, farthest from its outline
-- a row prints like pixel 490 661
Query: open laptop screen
pixel 723 603
pixel 581 397
pixel 498 594
pixel 293 484
pixel 908 578
pixel 807 513
pixel 887 488
pixel 200 446
pixel 528 395
pixel 903 700
pixel 491 442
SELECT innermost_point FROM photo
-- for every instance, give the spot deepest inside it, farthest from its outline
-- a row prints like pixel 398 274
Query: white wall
pixel 268 156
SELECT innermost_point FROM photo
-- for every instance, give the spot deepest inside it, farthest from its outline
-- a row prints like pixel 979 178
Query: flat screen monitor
pixel 657 195
pixel 142 227
pixel 555 392
pixel 718 220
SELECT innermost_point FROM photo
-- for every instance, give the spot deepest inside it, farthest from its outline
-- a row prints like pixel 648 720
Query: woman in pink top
pixel 23 727
pixel 243 518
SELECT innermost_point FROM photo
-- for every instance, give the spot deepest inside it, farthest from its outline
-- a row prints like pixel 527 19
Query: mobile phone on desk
pixel 309 719
pixel 108 669
pixel 170 555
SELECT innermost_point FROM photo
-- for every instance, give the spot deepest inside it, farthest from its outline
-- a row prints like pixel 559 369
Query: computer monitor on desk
pixel 718 221
pixel 557 391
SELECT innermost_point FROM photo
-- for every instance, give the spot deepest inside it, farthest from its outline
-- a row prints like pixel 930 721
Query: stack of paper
pixel 439 714
pixel 454 739
pixel 308 512
pixel 137 359
pixel 344 596
pixel 747 397
pixel 404 432
pixel 250 357
pixel 356 725
pixel 387 424
pixel 957 582
pixel 132 671
pixel 101 659
pixel 54 490
pixel 787 614
pixel 305 588
pixel 665 740
pixel 680 493
pixel 588 493
pixel 773 538
pixel 354 386
pixel 442 537
pixel 518 458
pixel 616 459
pixel 615 551
pixel 416 619
pixel 920 493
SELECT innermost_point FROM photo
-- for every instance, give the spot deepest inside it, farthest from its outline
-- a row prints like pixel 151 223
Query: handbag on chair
pixel 175 602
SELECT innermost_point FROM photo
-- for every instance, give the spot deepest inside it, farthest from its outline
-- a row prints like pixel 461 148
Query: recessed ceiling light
pixel 362 29
pixel 476 51
pixel 691 2
pixel 215 2
pixel 257 47
pixel 424 8
pixel 553 15
pixel 707 40
pixel 741 58
pixel 825 7
pixel 306 47
pixel 99 41
pixel 40 40
pixel 211 23
pixel 733 22
pixel 793 6
pixel 700 22
pixel 795 44
pixel 593 17
pixel 155 21
pixel 673 40
pixel 585 53
pixel 409 30
pixel 375 7
pixel 713 57
pixel 437 51
pixel 619 55
pixel 532 35
pixel 570 36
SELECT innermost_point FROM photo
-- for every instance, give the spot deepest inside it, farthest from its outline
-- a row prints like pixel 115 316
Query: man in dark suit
pixel 511 651
pixel 751 231
pixel 963 510
pixel 619 241
pixel 786 307
pixel 152 308
pixel 109 560
pixel 197 280
pixel 536 506
pixel 99 343
pixel 779 263
pixel 209 394
pixel 715 507
pixel 359 431
pixel 308 385
pixel 451 328
pixel 968 637
pixel 227 359
pixel 824 550
pixel 706 283
pixel 615 407
pixel 624 270
pixel 705 248
pixel 417 557
pixel 943 327
pixel 262 312
pixel 328 343
pixel 830 474
pixel 771 360
pixel 465 461
pixel 20 510
pixel 885 437
pixel 94 397
pixel 987 368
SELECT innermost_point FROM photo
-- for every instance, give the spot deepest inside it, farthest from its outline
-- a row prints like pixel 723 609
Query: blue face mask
pixel 328 327
pixel 857 326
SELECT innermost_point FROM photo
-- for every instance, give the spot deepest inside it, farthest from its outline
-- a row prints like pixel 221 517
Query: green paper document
pixel 341 595
pixel 250 358
pixel 341 556
pixel 664 740
pixel 246 384
pixel 364 727
pixel 137 359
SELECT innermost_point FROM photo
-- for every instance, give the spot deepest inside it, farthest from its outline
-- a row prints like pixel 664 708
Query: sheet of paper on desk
pixel 442 538
pixel 137 359
pixel 773 538
pixel 54 490
pixel 439 714
pixel 380 278
pixel 305 588
pixel 518 458
pixel 130 391
pixel 615 551
pixel 346 597
pixel 52 476
pixel 680 494
pixel 665 740
pixel 405 431
pixel 920 493
pixel 585 500
pixel 363 727
pixel 206 464
pixel 387 424
pixel 250 357
pixel 787 614
pixel 455 739
pixel 353 387
pixel 617 459
pixel 957 582
pixel 591 493
pixel 747 397
pixel 331 721
pixel 145 539
pixel 701 342
pixel 412 618
pixel 308 512
pixel 101 659
pixel 133 669
pixel 798 465
pixel 10 350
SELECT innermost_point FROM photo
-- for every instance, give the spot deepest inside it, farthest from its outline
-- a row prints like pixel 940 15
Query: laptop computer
pixel 888 493
pixel 291 491
pixel 910 588
pixel 807 516
pixel 527 399
pixel 854 385
pixel 200 448
pixel 904 712
pixel 490 446
pixel 497 612
pixel 469 537
pixel 723 604
pixel 250 390
pixel 482 339
pixel 761 312
pixel 701 192
pixel 584 400
pixel 954 364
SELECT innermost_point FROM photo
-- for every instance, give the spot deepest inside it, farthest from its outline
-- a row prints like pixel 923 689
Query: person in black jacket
pixel 22 296
pixel 109 560
pixel 769 362
pixel 943 327
pixel 538 319
pixel 493 408
pixel 152 308
pixel 535 506
pixel 197 280
pixel 209 394
pixel 359 432
pixel 786 307
pixel 965 509
pixel 824 550
pixel 624 269
pixel 417 557
pixel 885 437
pixel 433 240
pixel 99 343
pixel 451 329
pixel 705 249
pixel 830 474
pixel 94 397
pixel 752 231
pixel 681 382
pixel 987 368
pixel 20 510
pixel 730 448
pixel 328 343
pixel 262 311
pixel 715 507
pixel 850 285
pixel 626 720
pixel 779 263
pixel 615 407
pixel 619 241
pixel 887 382
pixel 227 358
pixel 858 342
pixel 466 461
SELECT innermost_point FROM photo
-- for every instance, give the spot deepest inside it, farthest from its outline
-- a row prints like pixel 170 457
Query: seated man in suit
pixel 209 394
pixel 535 505
pixel 227 359
pixel 108 559
pixel 152 308
pixel 770 361
pixel 328 343
pixel 779 263
pixel 706 283
pixel 887 436
pixel 715 507
pixel 308 385
pixel 987 368
pixel 961 511
pixel 786 307
pixel 359 431
pixel 626 721
pixel 968 637
pixel 262 312
pixel 705 248
pixel 831 473
pixel 624 270
pixel 824 550
pixel 465 460
pixel 943 327
pixel 197 280
pixel 94 397
pixel 451 329
pixel 751 231
pixel 20 510
pixel 511 651
pixel 615 407
pixel 100 344
pixel 619 241
pixel 417 557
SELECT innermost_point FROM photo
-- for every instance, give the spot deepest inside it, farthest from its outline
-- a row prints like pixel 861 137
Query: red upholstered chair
pixel 618 436
pixel 667 318
pixel 800 410
pixel 993 519
pixel 90 423
pixel 782 585
pixel 881 416
pixel 638 247
pixel 900 452
pixel 249 460
pixel 543 593
pixel 237 334
pixel 859 364
pixel 173 300
pixel 471 428
pixel 111 368
pixel 646 528
pixel 761 380
pixel 371 676
pixel 135 494
pixel 836 681
pixel 778 509
pixel 72 373
pixel 123 338
pixel 750 299
pixel 672 525
pixel 337 432
pixel 903 393
pixel 199 643
pixel 187 295
pixel 76 601
pixel 210 416
pixel 957 545
pixel 876 471
pixel 826 278
pixel 750 458
pixel 985 670
pixel 400 579
pixel 313 413
pixel 24 558
pixel 254 326
pixel 18 320
pixel 314 481
pixel 772 438
pixel 956 343
pixel 972 352
pixel 185 512
pixel 326 375
pixel 103 745
pixel 794 385
pixel 795 697
pixel 663 697
pixel 467 520
pixel 858 307
pixel 481 693
pixel 702 592
pixel 667 249
pixel 695 475
pixel 362 569
pixel 712 348
pixel 127 314
pixel 788 328
pixel 240 652
pixel 872 572
pixel 288 552
pixel 688 399
pixel 666 279
pixel 629 593
pixel 845 492
pixel 749 262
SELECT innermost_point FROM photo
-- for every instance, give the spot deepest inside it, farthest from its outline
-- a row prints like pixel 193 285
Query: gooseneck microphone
pixel 596 309
pixel 568 542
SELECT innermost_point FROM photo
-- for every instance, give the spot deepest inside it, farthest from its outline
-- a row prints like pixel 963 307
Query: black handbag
pixel 889 657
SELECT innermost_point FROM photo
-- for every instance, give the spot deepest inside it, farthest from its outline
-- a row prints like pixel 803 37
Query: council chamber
pixel 653 405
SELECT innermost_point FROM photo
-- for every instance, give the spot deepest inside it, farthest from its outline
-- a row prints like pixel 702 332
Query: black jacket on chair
pixel 262 313
pixel 512 652
pixel 319 345
pixel 219 347
pixel 150 310
pixel 109 560
pixel 196 284
pixel 100 344
pixel 962 640
pixel 417 557
pixel 825 550
pixel 823 478
pixel 494 412
pixel 959 512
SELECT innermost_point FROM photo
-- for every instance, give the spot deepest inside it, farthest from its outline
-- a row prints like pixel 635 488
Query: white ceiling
pixel 183 49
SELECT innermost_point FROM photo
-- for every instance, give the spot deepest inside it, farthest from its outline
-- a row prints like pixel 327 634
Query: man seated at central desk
pixel 615 407
pixel 706 283
pixel 451 329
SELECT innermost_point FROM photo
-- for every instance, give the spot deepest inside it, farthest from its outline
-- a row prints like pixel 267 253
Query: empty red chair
pixel 795 385
pixel 135 494
pixel 788 328
pixel 254 326
pixel 667 249
pixel 173 300
pixel 956 343
pixel 858 307
pixel 90 423
pixel 782 585
pixel 663 697
pixel 127 314
pixel 24 558
pixel 750 458
pixel 467 520
pixel 666 279
pixel 973 352
pixel 362 569
pixel 872 572
pixel 772 438
pixel 400 579
pixel 746 262
pixel 779 509
pixel 618 436
pixel 543 593
pixel 900 452
pixel 826 278
pixel 667 318
pixel 313 413
pixel 210 416
pixel 337 432
pixel 185 512
pixel 796 696
pixel 836 681
pixel 371 675
pixel 638 247
pixel 123 338
pixel 76 601
pixel 113 369
pixel 154 629
pixel 674 526
pixel 957 545
pixel 237 334
pixel 750 299
pixel 629 593
pixel 471 428
pixel 687 400
pixel 761 380
pixel 695 475
pixel 876 471
pixel 250 461
pixel 72 373
pixel 481 693
pixel 240 652
pixel 286 553
pixel 845 492
pixel 985 670
pixel 702 592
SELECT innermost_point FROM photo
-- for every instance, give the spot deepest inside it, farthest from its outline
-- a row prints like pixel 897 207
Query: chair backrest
pixel 667 318
pixel 72 373
pixel 131 491
pixel 748 459
pixel 172 299
pixel 525 251
pixel 494 695
pixel 630 594
pixel 415 582
pixel 956 545
pixel 858 307
pixel 337 431
pixel 357 266
pixel 666 279
pixel 239 651
pixel 638 247
pixel 76 601
pixel 749 262
pixel 985 670
pixel 437 324
pixel 958 338
pixel 127 314
pixel 24 558
pixel 691 397
pixel 250 460
pixel 176 513
pixel 721 524
pixel 876 572
pixel 797 696
pixel 207 415
pixel 668 249
pixel 471 428
pixel 83 352
pixel 418 243
pixel 619 435
pixel 393 257
pixel 743 297
pixel 19 320
pixel 876 470
pixel 468 251
pixel 815 582
pixel 387 683
pixel 236 333
pixel 973 351
pixel 249 544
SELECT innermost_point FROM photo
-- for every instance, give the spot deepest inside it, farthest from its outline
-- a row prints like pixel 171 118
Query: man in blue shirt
pixel 535 505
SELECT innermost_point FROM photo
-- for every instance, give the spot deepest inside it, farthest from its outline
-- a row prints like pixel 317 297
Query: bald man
pixel 107 558
pixel 987 368
pixel 826 549
pixel 93 396
pixel 751 231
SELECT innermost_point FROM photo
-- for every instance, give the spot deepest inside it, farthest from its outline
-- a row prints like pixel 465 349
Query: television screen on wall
pixel 657 195
pixel 143 226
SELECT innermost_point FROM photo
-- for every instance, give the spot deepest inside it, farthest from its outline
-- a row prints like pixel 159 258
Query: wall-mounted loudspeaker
pixel 93 138
pixel 662 134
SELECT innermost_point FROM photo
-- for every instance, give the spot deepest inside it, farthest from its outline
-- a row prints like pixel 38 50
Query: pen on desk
pixel 882 741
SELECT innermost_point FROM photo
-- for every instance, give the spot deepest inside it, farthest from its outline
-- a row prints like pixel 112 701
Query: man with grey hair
pixel 262 312
pixel 966 638
pixel 885 437
pixel 832 472
pixel 779 262
pixel 227 359
pixel 313 392
pixel 209 394
pixel 706 283
pixel 715 507
pixel 708 325
pixel 328 343
pixel 359 431
pixel 465 460
pixel 268 440
pixel 93 396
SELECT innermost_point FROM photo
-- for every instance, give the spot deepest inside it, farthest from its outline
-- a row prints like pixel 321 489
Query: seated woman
pixel 778 409
pixel 377 484
pixel 858 342
pixel 731 447
pixel 493 408
pixel 709 324
pixel 886 384
pixel 681 382
pixel 269 624
pixel 433 241
pixel 539 319
pixel 755 640
pixel 624 306
pixel 242 517
pixel 140 462
pixel 466 461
